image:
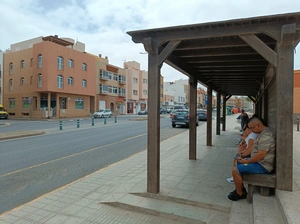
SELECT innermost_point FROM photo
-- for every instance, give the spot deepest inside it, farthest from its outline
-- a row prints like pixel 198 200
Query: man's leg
pixel 238 181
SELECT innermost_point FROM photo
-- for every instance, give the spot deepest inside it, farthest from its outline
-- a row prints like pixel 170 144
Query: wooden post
pixel 224 113
pixel 153 156
pixel 193 117
pixel 284 112
pixel 218 113
pixel 209 118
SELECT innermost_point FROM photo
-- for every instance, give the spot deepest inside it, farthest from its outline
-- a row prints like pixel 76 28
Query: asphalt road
pixel 33 166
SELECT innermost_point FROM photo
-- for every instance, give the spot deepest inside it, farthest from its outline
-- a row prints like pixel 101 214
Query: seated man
pixel 261 160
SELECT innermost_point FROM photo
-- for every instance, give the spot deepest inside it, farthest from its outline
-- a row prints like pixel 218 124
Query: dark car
pixel 182 117
pixel 163 110
pixel 143 112
pixel 202 114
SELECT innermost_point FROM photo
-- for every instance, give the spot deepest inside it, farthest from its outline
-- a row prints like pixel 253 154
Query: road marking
pixel 69 156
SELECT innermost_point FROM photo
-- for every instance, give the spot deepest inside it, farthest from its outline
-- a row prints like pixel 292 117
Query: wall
pixel 296 95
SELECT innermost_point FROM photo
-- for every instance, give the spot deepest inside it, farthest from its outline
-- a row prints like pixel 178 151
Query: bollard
pixel 78 124
pixel 92 121
pixel 60 125
pixel 104 120
pixel 115 119
pixel 298 119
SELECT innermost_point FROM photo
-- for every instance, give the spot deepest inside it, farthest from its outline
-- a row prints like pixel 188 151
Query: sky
pixel 102 24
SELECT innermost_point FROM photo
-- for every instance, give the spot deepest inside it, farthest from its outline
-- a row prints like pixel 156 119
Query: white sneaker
pixel 230 180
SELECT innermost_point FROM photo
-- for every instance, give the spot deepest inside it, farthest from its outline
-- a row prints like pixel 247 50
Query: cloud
pixel 102 25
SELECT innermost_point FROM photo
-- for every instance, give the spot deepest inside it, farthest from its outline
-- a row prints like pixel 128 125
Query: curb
pixel 14 135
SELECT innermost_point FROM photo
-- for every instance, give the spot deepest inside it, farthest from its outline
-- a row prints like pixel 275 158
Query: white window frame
pixel 135 92
pixel 71 63
pixel 135 80
pixel 40 81
pixel 60 81
pixel 84 83
pixel 11 68
pixel 22 64
pixel 84 66
pixel 70 81
pixel 10 85
pixel 22 81
pixel 40 61
pixel 60 63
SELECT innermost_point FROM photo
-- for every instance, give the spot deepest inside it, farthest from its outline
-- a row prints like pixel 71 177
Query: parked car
pixel 163 110
pixel 182 117
pixel 178 107
pixel 202 114
pixel 143 112
pixel 102 113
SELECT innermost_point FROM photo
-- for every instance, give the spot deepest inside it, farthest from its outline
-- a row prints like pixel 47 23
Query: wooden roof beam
pixel 260 47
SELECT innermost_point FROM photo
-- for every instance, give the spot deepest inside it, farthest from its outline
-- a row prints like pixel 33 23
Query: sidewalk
pixel 190 191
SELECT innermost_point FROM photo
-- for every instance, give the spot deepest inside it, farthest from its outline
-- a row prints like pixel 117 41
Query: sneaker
pixel 243 189
pixel 233 196
pixel 230 180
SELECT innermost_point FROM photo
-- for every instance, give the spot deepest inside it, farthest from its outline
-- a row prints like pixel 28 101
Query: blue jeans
pixel 250 168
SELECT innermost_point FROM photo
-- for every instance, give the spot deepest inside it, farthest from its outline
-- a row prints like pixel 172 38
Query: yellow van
pixel 3 112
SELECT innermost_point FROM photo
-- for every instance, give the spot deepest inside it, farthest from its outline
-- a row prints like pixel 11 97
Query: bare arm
pixel 258 157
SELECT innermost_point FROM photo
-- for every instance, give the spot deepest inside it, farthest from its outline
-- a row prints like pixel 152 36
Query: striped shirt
pixel 265 141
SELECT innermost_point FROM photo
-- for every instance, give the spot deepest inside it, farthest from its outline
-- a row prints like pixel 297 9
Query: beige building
pixel 110 86
pixel 48 77
pixel 137 87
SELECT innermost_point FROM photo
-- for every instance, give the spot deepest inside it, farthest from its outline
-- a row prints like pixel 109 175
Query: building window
pixel 60 81
pixel 40 61
pixel 135 92
pixel 11 68
pixel 135 80
pixel 145 81
pixel 84 67
pixel 31 62
pixel 103 88
pixel 122 79
pixel 71 63
pixel 145 92
pixel 60 63
pixel 30 80
pixel 115 90
pixel 70 81
pixel 83 83
pixel 105 75
pixel 79 103
pixel 22 81
pixel 121 92
pixel 10 85
pixel 12 103
pixel 116 77
pixel 26 102
pixel 22 64
pixel 40 81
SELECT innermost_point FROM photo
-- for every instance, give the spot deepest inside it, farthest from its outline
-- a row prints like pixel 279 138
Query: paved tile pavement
pixel 114 194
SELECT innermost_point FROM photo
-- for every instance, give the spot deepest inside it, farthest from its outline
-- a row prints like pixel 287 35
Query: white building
pixel 176 89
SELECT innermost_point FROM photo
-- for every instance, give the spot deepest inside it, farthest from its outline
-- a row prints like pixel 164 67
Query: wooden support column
pixel 224 113
pixel 284 109
pixel 193 117
pixel 153 158
pixel 218 113
pixel 155 61
pixel 209 118
pixel 49 105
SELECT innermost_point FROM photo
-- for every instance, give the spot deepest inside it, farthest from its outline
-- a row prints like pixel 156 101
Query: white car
pixel 102 113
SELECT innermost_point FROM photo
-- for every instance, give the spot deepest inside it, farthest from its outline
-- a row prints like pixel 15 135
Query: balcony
pixel 103 92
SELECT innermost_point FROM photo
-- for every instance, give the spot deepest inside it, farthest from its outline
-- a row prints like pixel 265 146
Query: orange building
pixel 48 77
pixel 296 94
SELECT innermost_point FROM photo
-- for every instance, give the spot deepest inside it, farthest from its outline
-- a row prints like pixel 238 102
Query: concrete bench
pixel 264 181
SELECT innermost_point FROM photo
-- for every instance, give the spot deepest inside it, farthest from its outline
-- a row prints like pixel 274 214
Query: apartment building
pixel 296 95
pixel 137 87
pixel 49 77
pixel 110 86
